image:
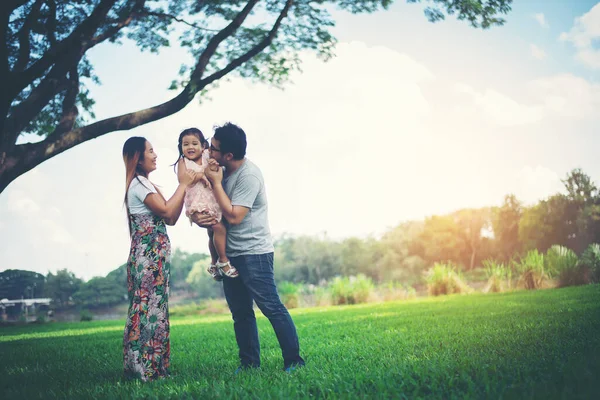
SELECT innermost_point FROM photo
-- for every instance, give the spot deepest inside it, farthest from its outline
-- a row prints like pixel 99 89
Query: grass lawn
pixel 539 344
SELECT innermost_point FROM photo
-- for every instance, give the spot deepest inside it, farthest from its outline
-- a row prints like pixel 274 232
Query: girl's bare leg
pixel 211 247
pixel 220 240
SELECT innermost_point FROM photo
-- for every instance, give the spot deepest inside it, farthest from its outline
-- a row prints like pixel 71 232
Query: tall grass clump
pixel 530 270
pixel 350 290
pixel 498 276
pixel 396 291
pixel 444 279
pixel 590 262
pixel 562 263
pixel 289 293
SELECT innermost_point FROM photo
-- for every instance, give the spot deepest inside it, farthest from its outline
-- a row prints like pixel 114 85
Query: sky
pixel 410 119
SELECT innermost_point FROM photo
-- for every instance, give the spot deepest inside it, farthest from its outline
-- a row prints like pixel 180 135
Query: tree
pixel 506 227
pixel 545 224
pixel 440 240
pixel 471 223
pixel 456 237
pixel 201 282
pixel 398 261
pixel 582 210
pixel 61 287
pixel 580 188
pixel 100 292
pixel 44 71
pixel 16 284
pixel 181 265
pixel 307 259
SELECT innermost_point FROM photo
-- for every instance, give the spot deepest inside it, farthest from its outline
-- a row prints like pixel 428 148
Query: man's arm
pixel 233 214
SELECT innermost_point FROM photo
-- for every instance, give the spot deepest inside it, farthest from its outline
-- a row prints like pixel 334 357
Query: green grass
pixel 527 344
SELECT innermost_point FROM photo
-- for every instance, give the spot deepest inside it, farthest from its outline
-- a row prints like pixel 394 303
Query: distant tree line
pixel 464 238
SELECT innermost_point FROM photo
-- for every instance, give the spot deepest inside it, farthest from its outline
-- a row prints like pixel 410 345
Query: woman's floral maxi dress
pixel 146 348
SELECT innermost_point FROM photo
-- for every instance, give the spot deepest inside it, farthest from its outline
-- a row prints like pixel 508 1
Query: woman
pixel 146 348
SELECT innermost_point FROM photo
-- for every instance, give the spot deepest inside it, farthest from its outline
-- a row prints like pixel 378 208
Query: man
pixel 240 192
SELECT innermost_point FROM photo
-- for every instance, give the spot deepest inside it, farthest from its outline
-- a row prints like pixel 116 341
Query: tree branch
pixel 5 78
pixel 24 33
pixel 214 43
pixel 72 43
pixel 39 97
pixel 70 111
pixel 108 33
pixel 253 52
pixel 120 24
pixel 51 23
pixel 26 156
pixel 173 17
pixel 11 5
pixel 24 112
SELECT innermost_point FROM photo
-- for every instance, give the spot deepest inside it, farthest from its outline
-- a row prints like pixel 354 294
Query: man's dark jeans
pixel 256 282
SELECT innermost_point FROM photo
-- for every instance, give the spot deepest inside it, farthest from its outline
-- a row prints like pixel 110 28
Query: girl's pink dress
pixel 199 198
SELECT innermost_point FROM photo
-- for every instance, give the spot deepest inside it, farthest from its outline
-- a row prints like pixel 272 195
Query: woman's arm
pixel 170 209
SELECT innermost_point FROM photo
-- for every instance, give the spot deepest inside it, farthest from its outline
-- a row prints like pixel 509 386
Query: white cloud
pixel 541 19
pixel 567 95
pixel 19 202
pixel 54 231
pixel 564 96
pixel 500 109
pixel 586 30
pixel 537 52
pixel 537 183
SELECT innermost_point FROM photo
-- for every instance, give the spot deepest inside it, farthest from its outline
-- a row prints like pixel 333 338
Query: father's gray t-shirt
pixel 246 187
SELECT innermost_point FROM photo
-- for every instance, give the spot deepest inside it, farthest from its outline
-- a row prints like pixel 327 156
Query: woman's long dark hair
pixel 190 131
pixel 133 153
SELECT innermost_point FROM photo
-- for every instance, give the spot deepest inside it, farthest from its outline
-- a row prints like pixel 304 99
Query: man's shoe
pixel 292 368
pixel 243 368
pixel 238 370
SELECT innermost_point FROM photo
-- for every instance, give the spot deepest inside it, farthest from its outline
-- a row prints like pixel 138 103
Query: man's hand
pixel 203 219
pixel 214 172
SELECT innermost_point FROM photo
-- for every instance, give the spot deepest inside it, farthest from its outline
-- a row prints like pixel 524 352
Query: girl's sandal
pixel 215 273
pixel 230 273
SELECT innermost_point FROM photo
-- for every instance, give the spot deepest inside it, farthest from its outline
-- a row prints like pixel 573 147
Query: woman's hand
pixel 203 219
pixel 188 177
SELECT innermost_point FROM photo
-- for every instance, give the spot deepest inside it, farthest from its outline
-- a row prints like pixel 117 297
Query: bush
pixel 206 306
pixel 590 262
pixel 86 315
pixel 443 279
pixel 322 296
pixel 396 291
pixel 530 270
pixel 351 290
pixel 289 293
pixel 498 276
pixel 562 263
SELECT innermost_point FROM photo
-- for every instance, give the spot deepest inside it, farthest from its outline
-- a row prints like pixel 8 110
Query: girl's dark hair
pixel 186 132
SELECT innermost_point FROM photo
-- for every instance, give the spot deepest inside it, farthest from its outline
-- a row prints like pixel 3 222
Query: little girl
pixel 199 197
